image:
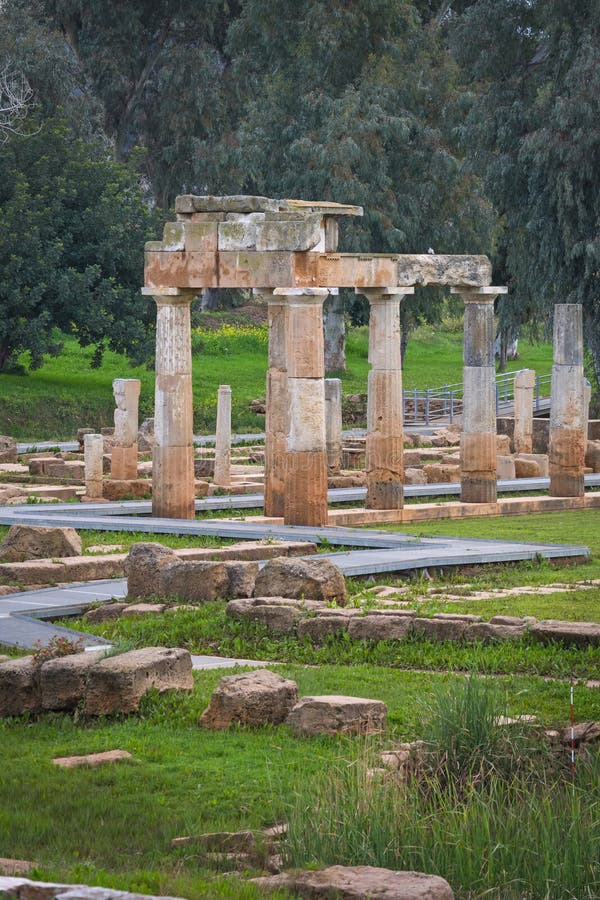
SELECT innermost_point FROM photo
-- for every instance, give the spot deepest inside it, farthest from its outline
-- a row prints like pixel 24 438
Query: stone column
pixel 566 446
pixel 277 419
pixel 222 476
pixel 306 458
pixel 173 453
pixel 333 424
pixel 587 397
pixel 523 431
pixel 478 480
pixel 124 458
pixel 93 448
pixel 385 438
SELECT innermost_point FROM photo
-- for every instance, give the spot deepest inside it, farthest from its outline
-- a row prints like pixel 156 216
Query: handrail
pixel 423 406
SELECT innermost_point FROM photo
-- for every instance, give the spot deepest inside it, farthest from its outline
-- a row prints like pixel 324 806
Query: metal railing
pixel 446 402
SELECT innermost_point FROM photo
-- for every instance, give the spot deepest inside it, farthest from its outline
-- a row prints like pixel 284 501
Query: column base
pixel 306 488
pixel 385 495
pixel 173 491
pixel 124 463
pixel 480 488
pixel 566 484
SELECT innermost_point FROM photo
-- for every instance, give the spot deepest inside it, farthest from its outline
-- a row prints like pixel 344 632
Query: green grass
pixel 113 825
pixel 65 394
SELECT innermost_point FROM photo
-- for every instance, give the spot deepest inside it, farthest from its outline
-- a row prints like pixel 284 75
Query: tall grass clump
pixel 231 339
pixel 486 811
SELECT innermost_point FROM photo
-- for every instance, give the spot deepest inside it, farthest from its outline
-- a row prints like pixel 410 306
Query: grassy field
pixel 65 394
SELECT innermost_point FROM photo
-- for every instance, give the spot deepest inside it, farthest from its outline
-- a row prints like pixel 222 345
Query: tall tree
pixel 533 134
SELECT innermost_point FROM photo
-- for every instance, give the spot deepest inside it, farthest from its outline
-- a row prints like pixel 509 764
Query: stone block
pixel 490 633
pixel 320 627
pixel 304 233
pixel 592 455
pixel 108 612
pixel 194 582
pixel 190 203
pixel 357 883
pixel 19 687
pixel 379 627
pixel 540 458
pixel 437 474
pixel 142 567
pixel 309 579
pixel 63 680
pixel 8 449
pixel 117 684
pixel 334 714
pixel 127 489
pixel 247 268
pixel 581 634
pixel 239 235
pixel 526 468
pixel 23 889
pixel 505 468
pixel 92 760
pixel 441 629
pixel 241 578
pixel 503 445
pixel 39 542
pixel 255 698
pixel 414 476
pixel 133 610
pixel 201 236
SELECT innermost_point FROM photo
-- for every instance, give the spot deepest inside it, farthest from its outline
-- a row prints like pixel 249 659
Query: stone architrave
pixel 478 437
pixel 277 419
pixel 93 449
pixel 523 432
pixel 222 476
pixel 385 439
pixel 333 424
pixel 173 454
pixel 124 458
pixel 566 448
pixel 306 458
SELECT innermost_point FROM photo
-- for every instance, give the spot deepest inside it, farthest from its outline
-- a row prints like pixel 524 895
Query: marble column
pixel 566 449
pixel 523 431
pixel 173 453
pixel 333 424
pixel 222 476
pixel 306 458
pixel 124 459
pixel 385 438
pixel 478 479
pixel 277 419
pixel 93 449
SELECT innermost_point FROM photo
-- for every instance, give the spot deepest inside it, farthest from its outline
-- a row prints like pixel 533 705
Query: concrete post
pixel 222 476
pixel 587 397
pixel 333 424
pixel 124 458
pixel 306 458
pixel 277 419
pixel 566 446
pixel 93 448
pixel 523 432
pixel 173 455
pixel 478 438
pixel 385 437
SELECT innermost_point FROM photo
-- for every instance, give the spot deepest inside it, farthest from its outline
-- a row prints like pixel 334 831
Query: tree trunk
pixel 404 336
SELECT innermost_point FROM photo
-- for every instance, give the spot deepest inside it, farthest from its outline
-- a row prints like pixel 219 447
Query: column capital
pixel 381 294
pixel 171 296
pixel 484 294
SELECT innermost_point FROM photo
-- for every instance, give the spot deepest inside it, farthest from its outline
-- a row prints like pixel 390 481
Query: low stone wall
pixel 316 621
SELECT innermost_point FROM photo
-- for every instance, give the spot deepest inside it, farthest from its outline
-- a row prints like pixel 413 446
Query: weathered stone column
pixel 523 432
pixel 306 458
pixel 566 446
pixel 173 453
pixel 93 449
pixel 333 424
pixel 587 397
pixel 478 477
pixel 124 458
pixel 385 437
pixel 222 476
pixel 277 419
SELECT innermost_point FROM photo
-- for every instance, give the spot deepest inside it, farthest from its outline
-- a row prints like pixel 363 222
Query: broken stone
pixel 255 698
pixel 108 612
pixel 142 567
pixel 314 579
pixel 19 686
pixel 583 733
pixel 8 449
pixel 15 866
pixel 333 714
pixel 63 680
pixel 379 628
pixel 358 883
pixel 579 633
pixel 39 542
pixel 319 627
pixel 92 759
pixel 117 684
